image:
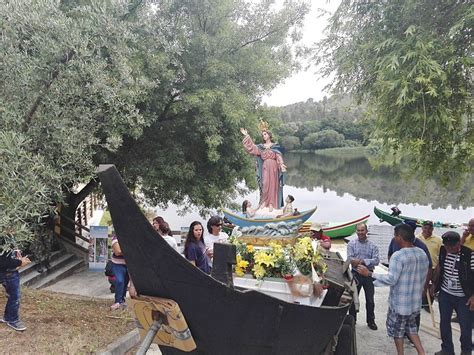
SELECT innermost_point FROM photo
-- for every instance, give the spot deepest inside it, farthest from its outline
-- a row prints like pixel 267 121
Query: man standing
pixel 362 251
pixel 456 292
pixel 433 243
pixel 10 262
pixel 406 278
pixel 468 236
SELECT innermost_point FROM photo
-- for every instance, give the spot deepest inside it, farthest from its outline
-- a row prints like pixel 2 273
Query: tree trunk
pixel 68 210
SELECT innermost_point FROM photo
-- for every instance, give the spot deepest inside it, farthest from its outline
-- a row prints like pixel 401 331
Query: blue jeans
pixel 121 282
pixel 448 303
pixel 11 283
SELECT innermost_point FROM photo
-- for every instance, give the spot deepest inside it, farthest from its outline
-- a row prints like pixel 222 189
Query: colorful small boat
pixel 394 220
pixel 336 230
pixel 238 220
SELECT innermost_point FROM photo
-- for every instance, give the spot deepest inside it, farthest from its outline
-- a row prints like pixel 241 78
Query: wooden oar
pixel 428 297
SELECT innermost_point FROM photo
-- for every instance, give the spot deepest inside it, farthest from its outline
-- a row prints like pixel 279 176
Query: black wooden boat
pixel 222 320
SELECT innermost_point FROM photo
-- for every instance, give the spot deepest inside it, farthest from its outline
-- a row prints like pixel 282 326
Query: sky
pixel 305 84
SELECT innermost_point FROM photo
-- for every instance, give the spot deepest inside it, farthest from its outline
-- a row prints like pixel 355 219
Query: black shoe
pixel 112 289
pixel 372 326
pixel 39 268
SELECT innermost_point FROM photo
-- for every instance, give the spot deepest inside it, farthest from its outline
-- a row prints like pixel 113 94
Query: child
pixel 247 209
pixel 288 209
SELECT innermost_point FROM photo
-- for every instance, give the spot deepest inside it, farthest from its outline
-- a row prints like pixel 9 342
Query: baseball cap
pixel 428 223
pixel 450 238
pixel 316 227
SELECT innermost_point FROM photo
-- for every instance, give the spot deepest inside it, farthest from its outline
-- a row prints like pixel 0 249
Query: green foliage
pixel 339 114
pixel 26 186
pixel 411 61
pixel 327 138
pixel 160 91
pixel 233 53
pixel 290 142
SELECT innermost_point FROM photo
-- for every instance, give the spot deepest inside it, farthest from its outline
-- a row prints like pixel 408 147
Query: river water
pixel 348 187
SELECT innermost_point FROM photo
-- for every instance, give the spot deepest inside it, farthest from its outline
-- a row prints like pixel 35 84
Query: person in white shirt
pixel 164 230
pixel 216 235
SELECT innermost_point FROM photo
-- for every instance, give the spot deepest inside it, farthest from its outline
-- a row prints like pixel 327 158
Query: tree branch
pixel 29 117
pixel 86 190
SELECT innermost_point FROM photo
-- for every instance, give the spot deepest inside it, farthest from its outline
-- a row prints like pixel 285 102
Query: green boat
pixel 340 230
pixel 336 230
pixel 391 219
pixel 394 220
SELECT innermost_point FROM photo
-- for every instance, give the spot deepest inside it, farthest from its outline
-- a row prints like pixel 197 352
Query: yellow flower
pixel 262 258
pixel 277 249
pixel 241 266
pixel 258 271
pixel 239 271
pixel 250 248
pixel 302 248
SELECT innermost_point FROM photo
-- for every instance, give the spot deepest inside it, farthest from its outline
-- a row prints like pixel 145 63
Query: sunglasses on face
pixel 218 225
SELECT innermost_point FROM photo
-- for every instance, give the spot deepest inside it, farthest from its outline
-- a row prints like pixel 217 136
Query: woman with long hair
pixel 195 248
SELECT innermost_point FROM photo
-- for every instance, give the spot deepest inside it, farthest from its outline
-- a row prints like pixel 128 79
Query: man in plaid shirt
pixel 362 251
pixel 406 277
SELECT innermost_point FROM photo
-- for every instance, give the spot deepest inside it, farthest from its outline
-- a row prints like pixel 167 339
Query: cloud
pixel 305 84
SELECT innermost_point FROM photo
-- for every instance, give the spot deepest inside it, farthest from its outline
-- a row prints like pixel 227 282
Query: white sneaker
pixel 115 306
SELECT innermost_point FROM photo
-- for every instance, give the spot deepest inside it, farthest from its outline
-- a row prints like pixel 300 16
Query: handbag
pixel 108 268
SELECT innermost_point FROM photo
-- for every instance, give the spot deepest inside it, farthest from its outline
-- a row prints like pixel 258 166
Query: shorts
pixel 398 325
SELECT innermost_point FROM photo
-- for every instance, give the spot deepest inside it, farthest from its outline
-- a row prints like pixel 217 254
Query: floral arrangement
pixel 278 261
pixel 306 258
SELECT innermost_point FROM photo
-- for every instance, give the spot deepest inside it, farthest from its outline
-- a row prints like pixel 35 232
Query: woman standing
pixel 120 271
pixel 195 248
pixel 270 169
pixel 215 235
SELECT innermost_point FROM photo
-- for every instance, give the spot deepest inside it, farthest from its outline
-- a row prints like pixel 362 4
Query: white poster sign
pixel 98 250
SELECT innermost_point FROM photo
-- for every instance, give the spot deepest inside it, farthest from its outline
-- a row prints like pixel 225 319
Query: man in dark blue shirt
pixel 10 279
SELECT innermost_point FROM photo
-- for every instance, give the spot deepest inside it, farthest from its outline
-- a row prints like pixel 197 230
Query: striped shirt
pixel 117 259
pixel 366 251
pixel 451 283
pixel 406 277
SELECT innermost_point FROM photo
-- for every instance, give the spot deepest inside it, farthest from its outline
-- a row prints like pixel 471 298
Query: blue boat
pixel 238 220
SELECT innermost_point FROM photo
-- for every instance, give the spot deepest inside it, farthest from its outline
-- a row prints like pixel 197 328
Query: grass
pixel 60 324
pixel 106 219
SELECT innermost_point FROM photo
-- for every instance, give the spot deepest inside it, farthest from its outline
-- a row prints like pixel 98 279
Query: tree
pixel 326 138
pixel 160 91
pixel 290 142
pixel 411 61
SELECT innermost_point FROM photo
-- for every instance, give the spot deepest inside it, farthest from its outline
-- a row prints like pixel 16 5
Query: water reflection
pixel 355 175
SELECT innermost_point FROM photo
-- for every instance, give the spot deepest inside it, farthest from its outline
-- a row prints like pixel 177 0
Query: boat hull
pixel 343 230
pixel 337 230
pixel 394 220
pixel 387 217
pixel 240 221
pixel 222 320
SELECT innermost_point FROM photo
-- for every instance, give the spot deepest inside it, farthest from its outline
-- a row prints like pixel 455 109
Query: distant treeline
pixel 331 122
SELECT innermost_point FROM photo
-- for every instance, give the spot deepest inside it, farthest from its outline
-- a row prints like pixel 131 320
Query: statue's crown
pixel 263 125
